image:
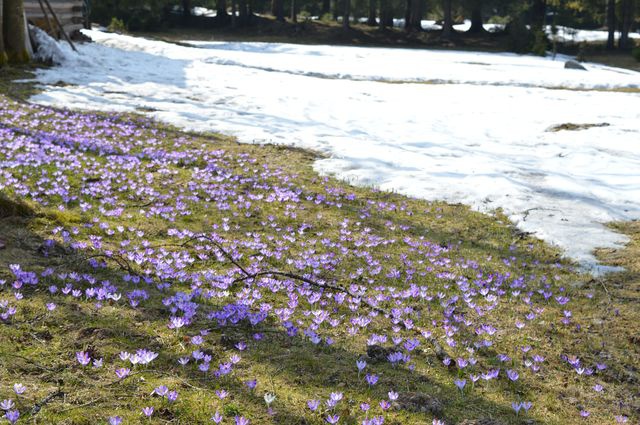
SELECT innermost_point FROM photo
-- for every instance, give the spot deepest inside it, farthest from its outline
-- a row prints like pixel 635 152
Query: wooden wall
pixel 69 12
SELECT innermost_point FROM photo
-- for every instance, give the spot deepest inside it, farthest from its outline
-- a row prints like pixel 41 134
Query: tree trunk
pixel 326 7
pixel 186 9
pixel 384 14
pixel 371 20
pixel 3 54
pixel 407 15
pixel 477 24
pixel 250 14
pixel 277 9
pixel 242 13
pixel 346 14
pixel 447 28
pixel 388 14
pixel 221 9
pixel 415 16
pixel 627 20
pixel 611 24
pixel 234 18
pixel 538 10
pixel 15 31
pixel 294 11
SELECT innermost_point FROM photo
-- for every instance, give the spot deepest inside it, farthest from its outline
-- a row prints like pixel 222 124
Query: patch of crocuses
pixel 255 259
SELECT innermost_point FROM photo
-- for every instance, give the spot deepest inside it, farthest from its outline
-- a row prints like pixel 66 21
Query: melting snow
pixel 462 126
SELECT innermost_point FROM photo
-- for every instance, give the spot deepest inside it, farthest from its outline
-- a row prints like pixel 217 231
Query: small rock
pixel 572 64
pixel 378 353
pixel 3 245
pixel 228 341
pixel 417 402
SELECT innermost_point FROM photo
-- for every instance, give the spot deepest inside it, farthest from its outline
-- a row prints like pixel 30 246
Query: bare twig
pixel 36 364
pixel 39 405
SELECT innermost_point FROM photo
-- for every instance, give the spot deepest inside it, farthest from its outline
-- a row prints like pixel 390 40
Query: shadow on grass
pixel 40 351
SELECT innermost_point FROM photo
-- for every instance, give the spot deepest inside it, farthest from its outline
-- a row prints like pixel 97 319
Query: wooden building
pixel 70 13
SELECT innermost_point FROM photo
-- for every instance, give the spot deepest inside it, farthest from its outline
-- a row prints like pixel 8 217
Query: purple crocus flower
pixel 12 416
pixel 147 411
pixel 332 419
pixel 513 375
pixel 371 379
pixel 460 383
pixel 83 358
pixel 217 417
pixel 7 404
pixel 313 405
pixel 162 390
pixel 115 420
pixel 19 388
pixel 241 420
pixel 122 372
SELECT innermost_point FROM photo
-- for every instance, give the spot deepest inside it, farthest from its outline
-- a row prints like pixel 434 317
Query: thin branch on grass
pixel 39 405
pixel 440 352
pixel 79 406
pixel 28 360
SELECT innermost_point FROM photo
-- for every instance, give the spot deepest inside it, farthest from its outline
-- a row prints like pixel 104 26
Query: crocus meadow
pixel 193 280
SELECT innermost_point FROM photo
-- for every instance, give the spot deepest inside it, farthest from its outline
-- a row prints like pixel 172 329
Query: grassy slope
pixel 38 347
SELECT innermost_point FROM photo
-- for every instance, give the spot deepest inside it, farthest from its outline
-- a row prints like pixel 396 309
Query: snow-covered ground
pixel 572 35
pixel 463 126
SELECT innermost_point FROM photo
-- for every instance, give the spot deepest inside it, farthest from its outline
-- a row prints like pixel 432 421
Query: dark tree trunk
pixel 337 7
pixel 346 14
pixel 538 10
pixel 388 14
pixel 294 11
pixel 242 13
pixel 447 28
pixel 627 20
pixel 416 15
pixel 3 54
pixel 611 24
pixel 250 14
pixel 326 7
pixel 234 17
pixel 384 14
pixel 371 19
pixel 407 15
pixel 477 24
pixel 221 9
pixel 186 9
pixel 277 9
pixel 15 32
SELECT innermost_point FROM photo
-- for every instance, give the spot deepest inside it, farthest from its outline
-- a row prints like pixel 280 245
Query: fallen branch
pixel 39 405
pixel 440 352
